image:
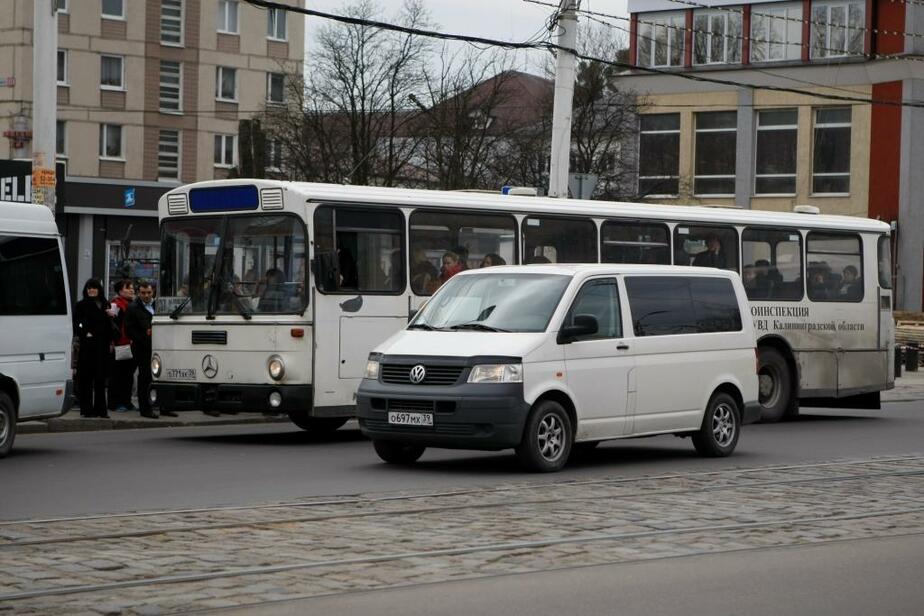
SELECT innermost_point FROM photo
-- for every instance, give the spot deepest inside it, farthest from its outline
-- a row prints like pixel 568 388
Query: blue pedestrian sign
pixel 129 197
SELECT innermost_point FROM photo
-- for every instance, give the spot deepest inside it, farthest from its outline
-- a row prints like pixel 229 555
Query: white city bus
pixel 273 293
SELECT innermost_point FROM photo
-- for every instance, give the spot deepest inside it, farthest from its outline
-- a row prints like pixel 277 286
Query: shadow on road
pixel 806 416
pixel 295 437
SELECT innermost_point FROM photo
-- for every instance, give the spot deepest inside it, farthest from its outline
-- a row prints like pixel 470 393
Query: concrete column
pixel 744 157
pixel 910 251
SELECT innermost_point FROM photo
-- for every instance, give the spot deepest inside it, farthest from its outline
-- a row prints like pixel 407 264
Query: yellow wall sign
pixel 43 178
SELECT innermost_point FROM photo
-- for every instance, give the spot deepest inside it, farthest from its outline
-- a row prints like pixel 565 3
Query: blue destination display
pixel 224 199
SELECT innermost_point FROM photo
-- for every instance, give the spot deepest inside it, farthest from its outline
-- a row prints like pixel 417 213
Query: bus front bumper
pixel 225 398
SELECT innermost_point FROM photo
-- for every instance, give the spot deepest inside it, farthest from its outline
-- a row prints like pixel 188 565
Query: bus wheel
pixel 718 435
pixel 7 424
pixel 317 425
pixel 547 437
pixel 774 384
pixel 396 452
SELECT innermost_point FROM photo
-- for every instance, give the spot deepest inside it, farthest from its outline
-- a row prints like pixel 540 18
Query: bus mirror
pixel 326 271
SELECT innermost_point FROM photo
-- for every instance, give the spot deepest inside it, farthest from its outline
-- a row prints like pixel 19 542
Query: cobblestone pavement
pixel 181 561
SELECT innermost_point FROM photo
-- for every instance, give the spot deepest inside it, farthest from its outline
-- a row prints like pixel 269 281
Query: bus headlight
pixel 496 373
pixel 155 365
pixel 276 367
pixel 372 369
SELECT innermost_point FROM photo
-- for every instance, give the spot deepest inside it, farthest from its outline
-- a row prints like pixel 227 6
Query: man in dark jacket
pixel 138 327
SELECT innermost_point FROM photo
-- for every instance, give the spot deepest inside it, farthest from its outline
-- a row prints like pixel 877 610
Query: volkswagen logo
pixel 418 374
pixel 209 366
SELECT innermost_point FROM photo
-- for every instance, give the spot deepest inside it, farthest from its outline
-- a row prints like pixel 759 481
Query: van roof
pixel 26 218
pixel 574 269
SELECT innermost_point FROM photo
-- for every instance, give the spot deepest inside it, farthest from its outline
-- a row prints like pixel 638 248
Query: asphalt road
pixel 65 474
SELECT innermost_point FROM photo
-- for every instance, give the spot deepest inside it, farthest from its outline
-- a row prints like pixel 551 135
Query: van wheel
pixel 547 438
pixel 7 424
pixel 316 425
pixel 774 385
pixel 396 452
pixel 718 435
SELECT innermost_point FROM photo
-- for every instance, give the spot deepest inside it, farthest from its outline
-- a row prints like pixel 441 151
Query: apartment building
pixel 150 93
pixel 783 120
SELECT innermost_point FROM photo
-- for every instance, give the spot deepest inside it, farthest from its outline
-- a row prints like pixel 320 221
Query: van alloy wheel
pixel 723 425
pixel 550 437
pixel 718 434
pixel 7 424
pixel 547 438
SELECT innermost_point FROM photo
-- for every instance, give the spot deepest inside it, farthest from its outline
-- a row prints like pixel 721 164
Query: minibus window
pixel 834 268
pixel 885 262
pixel 772 264
pixel 671 305
pixel 633 242
pixel 559 240
pixel 706 246
pixel 31 276
pixel 599 298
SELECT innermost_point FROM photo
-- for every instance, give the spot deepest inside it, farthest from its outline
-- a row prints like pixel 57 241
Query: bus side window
pixel 772 264
pixel 702 246
pixel 635 242
pixel 559 240
pixel 835 266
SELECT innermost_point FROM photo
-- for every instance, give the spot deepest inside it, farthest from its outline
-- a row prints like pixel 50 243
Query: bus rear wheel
pixel 316 425
pixel 774 385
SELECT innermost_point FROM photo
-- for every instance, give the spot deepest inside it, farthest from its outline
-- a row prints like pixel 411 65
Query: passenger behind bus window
pixel 349 275
pixel 748 277
pixel 817 285
pixel 491 259
pixel 274 297
pixel 851 286
pixel 539 260
pixel 424 275
pixel 451 266
pixel 462 254
pixel 713 256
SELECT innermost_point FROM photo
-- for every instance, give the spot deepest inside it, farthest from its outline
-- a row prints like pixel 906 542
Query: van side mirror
pixel 583 325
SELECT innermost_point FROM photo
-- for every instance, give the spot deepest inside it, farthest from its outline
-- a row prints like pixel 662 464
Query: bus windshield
pixel 494 302
pixel 233 265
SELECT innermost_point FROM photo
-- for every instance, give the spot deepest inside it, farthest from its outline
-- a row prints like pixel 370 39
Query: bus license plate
pixel 400 418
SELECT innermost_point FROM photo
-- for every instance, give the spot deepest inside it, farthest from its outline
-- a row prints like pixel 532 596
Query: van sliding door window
pixel 706 246
pixel 671 305
pixel 31 277
pixel 559 240
pixel 635 242
pixel 359 250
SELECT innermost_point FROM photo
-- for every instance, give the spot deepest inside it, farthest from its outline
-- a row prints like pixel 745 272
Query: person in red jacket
pixel 122 374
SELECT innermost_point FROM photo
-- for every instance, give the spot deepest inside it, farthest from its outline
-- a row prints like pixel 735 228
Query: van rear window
pixel 670 305
pixel 31 276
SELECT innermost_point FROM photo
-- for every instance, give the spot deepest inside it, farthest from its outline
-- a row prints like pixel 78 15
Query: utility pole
pixel 44 101
pixel 564 98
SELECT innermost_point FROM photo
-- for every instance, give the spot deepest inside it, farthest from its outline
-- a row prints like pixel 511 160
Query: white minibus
pixel 541 357
pixel 35 358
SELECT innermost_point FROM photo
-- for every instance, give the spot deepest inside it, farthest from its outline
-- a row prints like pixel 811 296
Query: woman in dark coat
pixel 93 327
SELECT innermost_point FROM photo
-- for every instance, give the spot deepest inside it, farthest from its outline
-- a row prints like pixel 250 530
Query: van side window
pixel 835 267
pixel 635 242
pixel 706 246
pixel 559 240
pixel 359 250
pixel 31 276
pixel 772 264
pixel 599 298
pixel 670 305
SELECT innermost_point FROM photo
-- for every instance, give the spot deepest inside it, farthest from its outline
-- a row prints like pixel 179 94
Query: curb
pixel 87 424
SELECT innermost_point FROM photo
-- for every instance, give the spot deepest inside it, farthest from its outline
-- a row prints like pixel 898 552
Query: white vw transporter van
pixel 545 357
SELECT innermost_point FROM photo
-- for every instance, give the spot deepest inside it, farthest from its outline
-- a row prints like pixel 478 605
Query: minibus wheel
pixel 774 384
pixel 317 425
pixel 718 434
pixel 7 424
pixel 547 438
pixel 396 452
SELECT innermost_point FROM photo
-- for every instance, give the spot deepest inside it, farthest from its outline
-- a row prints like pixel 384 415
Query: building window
pixel 111 76
pixel 61 139
pixel 275 88
pixel 714 169
pixel 776 32
pixel 225 150
pixel 61 6
pixel 62 67
pixel 110 141
pixel 659 154
pixel 273 155
pixel 227 16
pixel 276 24
pixel 660 39
pixel 775 172
pixel 171 22
pixel 226 83
pixel 168 155
pixel 831 158
pixel 113 9
pixel 171 79
pixel 717 37
pixel 837 29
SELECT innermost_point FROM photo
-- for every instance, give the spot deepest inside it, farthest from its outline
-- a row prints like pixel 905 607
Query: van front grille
pixel 436 375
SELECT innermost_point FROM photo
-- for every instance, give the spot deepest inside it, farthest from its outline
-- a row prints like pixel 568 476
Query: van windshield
pixel 494 302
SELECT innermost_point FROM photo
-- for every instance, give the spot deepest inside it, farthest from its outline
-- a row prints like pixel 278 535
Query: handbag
pixel 123 352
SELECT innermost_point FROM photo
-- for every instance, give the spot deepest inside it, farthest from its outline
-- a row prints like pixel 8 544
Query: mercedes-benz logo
pixel 209 366
pixel 418 374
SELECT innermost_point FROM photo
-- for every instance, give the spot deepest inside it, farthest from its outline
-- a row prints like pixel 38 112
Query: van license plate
pixel 400 418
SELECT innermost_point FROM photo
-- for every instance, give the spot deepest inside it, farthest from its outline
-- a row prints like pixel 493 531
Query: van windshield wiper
pixel 481 327
pixel 422 326
pixel 176 311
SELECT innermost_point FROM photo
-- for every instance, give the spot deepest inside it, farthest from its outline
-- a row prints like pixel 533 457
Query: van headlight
pixel 372 369
pixel 155 365
pixel 276 367
pixel 496 373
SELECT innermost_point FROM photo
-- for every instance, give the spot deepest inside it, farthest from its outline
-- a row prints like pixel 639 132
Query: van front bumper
pixel 468 416
pixel 225 398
